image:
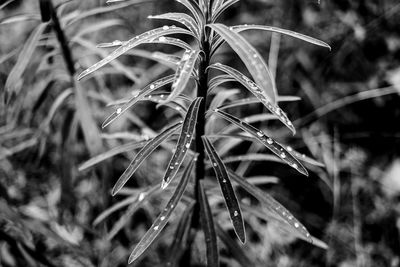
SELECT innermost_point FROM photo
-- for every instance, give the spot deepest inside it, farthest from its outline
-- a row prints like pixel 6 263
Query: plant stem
pixel 200 131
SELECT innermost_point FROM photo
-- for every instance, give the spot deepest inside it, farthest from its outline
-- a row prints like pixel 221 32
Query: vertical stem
pixel 200 131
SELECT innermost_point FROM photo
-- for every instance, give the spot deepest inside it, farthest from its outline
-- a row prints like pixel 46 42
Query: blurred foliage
pixel 348 119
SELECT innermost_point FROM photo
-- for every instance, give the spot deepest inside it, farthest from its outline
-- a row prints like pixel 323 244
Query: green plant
pixel 199 76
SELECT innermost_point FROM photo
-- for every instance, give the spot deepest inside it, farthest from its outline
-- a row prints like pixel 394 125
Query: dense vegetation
pixel 56 208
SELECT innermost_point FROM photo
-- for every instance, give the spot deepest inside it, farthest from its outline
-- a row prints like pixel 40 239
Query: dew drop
pixel 141 196
pixel 236 213
pixel 162 39
pixel 152 86
pixel 187 145
pixel 119 110
pixel 260 134
pixel 289 148
pixel 270 141
pixel 165 28
pixel 283 155
pixel 171 167
pixel 296 225
pixel 156 227
pixel 162 218
pixel 294 165
pixel 215 164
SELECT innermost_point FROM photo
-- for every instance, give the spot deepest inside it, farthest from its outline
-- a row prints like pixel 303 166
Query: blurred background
pixel 348 118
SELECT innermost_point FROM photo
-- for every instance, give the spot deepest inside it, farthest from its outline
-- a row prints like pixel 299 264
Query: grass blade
pixel 183 73
pixel 231 201
pixel 184 141
pixel 257 92
pixel 145 91
pixel 110 153
pixel 268 142
pixel 162 219
pixel 207 224
pixel 271 204
pixel 135 41
pixel 180 237
pixel 14 80
pixel 142 155
pixel 250 57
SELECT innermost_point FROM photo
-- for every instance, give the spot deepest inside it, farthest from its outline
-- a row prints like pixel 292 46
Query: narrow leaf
pixel 207 223
pixel 145 91
pixel 184 141
pixel 182 18
pixel 257 92
pixel 268 142
pixel 135 41
pixel 222 8
pixel 240 28
pixel 250 57
pixel 162 40
pixel 162 219
pixel 110 153
pixel 231 201
pixel 142 155
pixel 14 79
pixel 271 204
pixel 194 9
pixel 181 235
pixel 183 73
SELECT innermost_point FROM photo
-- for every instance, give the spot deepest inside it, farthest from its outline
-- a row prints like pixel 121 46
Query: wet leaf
pixel 268 142
pixel 145 91
pixel 207 223
pixel 271 204
pixel 162 219
pixel 257 92
pixel 161 40
pixel 182 18
pixel 142 155
pixel 250 57
pixel 230 198
pixel 183 73
pixel 135 41
pixel 184 141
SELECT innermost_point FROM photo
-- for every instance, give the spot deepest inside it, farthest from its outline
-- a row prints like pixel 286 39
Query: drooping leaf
pixel 221 10
pixel 162 219
pixel 182 18
pixel 217 4
pixel 110 153
pixel 257 92
pixel 271 204
pixel 230 198
pixel 145 91
pixel 250 57
pixel 135 41
pixel 207 223
pixel 184 141
pixel 240 28
pixel 181 235
pixel 162 40
pixel 218 80
pixel 268 142
pixel 249 101
pixel 183 73
pixel 142 155
pixel 221 97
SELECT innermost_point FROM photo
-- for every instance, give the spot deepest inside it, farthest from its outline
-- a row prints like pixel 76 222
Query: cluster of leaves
pixel 197 64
